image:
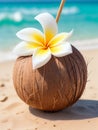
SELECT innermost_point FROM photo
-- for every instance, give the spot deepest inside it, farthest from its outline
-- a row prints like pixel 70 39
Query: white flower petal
pixel 22 49
pixel 62 49
pixel 69 34
pixel 59 38
pixel 31 35
pixel 48 24
pixel 40 57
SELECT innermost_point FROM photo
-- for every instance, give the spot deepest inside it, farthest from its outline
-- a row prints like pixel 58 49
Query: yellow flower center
pixel 45 45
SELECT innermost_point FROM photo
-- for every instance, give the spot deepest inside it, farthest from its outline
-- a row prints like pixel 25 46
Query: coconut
pixel 55 86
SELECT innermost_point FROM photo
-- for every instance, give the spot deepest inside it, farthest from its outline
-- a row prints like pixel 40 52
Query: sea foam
pixel 6 56
pixel 35 11
pixel 23 13
pixel 16 16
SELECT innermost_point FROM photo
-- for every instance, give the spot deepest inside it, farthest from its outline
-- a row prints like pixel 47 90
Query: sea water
pixel 81 17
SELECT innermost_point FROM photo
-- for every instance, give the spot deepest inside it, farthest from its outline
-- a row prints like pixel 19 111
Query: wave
pixel 6 56
pixel 17 16
pixel 35 11
pixel 24 13
pixel 86 44
pixel 81 45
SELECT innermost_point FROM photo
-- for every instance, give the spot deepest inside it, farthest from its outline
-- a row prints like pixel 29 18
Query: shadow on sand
pixel 83 109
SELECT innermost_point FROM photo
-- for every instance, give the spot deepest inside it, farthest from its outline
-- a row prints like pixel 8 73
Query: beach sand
pixel 16 115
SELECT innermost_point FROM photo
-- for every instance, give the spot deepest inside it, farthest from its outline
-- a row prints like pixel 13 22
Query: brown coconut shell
pixel 55 86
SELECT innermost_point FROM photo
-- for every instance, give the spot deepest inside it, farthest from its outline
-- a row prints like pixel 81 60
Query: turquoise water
pixel 81 17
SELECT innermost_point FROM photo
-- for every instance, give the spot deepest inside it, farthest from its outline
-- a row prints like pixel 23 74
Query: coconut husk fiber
pixel 53 87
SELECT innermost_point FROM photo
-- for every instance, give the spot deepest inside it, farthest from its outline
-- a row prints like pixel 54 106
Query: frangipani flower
pixel 43 45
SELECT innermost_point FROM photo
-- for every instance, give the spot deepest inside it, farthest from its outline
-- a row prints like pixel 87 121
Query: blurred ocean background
pixel 81 17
